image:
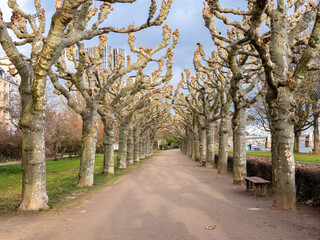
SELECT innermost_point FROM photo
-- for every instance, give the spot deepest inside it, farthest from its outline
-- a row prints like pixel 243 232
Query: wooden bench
pixel 260 185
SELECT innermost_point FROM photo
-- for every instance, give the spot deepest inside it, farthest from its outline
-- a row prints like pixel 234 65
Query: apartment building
pixel 9 92
pixel 108 50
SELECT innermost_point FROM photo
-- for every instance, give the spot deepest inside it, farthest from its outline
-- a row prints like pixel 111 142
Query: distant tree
pixel 170 139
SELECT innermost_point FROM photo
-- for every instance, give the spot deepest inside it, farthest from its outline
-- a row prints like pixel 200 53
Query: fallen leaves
pixel 211 227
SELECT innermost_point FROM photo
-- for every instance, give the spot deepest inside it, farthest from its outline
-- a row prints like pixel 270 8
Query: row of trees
pixel 266 52
pixel 59 53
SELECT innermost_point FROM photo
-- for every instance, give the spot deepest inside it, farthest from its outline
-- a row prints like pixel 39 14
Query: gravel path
pixel 169 197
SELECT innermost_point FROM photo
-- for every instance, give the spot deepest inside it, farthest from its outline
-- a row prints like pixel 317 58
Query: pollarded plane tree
pixel 82 84
pixel 148 88
pixel 244 62
pixel 29 29
pixel 163 121
pixel 154 119
pixel 93 86
pixel 123 98
pixel 179 102
pixel 122 93
pixel 186 116
pixel 306 111
pixel 286 21
pixel 176 129
pixel 194 104
pixel 205 101
pixel 126 117
pixel 315 96
pixel 142 120
pixel 219 78
pixel 139 122
pixel 68 26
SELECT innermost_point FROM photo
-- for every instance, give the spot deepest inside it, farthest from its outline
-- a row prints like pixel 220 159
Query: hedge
pixel 307 176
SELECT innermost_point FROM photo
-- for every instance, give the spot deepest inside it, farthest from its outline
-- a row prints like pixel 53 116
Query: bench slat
pixel 257 180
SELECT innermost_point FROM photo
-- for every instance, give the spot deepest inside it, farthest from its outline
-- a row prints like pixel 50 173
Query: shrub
pixel 10 144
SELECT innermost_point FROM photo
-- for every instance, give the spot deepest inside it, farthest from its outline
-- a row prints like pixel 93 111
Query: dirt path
pixel 170 197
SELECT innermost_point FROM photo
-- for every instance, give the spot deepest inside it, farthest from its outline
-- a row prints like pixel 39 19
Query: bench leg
pixel 264 189
pixel 247 184
pixel 260 190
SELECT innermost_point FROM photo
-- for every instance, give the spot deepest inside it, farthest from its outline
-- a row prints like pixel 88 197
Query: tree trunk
pixel 281 112
pixel 195 141
pixel 130 148
pixel 136 151
pixel 145 145
pixel 151 144
pixel 297 142
pixel 315 130
pixel 210 163
pixel 142 153
pixel 88 146
pixel 239 145
pixel 316 136
pixel 223 144
pixel 182 145
pixel 190 144
pixel 123 138
pixel 108 143
pixel 202 140
pixel 33 166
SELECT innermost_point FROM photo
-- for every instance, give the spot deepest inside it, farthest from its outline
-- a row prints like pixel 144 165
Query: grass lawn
pixel 62 177
pixel 298 157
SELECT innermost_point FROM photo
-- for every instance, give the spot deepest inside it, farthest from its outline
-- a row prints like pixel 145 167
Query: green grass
pixel 298 157
pixel 62 177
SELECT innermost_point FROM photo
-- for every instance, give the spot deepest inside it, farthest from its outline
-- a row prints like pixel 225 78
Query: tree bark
pixel 146 147
pixel 202 139
pixel 142 142
pixel 88 145
pixel 136 151
pixel 297 142
pixel 281 112
pixel 151 144
pixel 195 140
pixel 190 144
pixel 210 163
pixel 108 143
pixel 315 129
pixel 224 129
pixel 281 106
pixel 130 148
pixel 239 145
pixel 123 138
pixel 33 166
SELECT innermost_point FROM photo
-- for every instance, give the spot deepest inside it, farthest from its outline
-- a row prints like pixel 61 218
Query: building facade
pixel 107 51
pixel 9 93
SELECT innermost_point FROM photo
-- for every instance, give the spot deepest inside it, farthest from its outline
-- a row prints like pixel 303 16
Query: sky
pixel 186 15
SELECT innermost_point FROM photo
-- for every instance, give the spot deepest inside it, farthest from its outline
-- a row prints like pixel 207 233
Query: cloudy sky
pixel 186 15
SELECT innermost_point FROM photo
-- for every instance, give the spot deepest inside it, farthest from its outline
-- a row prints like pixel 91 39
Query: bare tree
pixel 69 25
pixel 283 73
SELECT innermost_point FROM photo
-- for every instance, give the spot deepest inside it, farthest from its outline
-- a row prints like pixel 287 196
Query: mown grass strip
pixel 298 157
pixel 62 177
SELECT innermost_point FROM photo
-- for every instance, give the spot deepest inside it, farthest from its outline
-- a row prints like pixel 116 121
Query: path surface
pixel 169 197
